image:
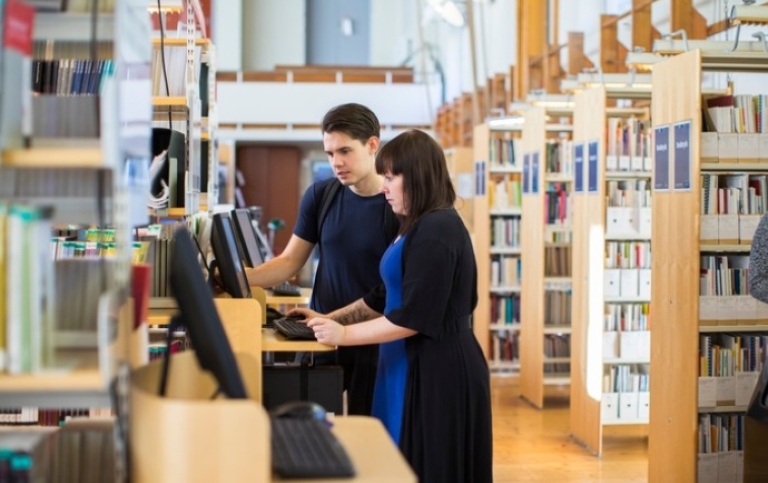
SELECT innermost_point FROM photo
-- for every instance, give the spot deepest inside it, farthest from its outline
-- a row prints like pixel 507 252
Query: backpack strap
pixel 329 193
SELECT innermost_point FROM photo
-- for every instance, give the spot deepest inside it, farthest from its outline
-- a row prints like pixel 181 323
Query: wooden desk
pixel 375 456
pixel 271 341
pixel 303 299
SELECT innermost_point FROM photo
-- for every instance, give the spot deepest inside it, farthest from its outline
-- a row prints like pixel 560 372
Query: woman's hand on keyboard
pixel 327 331
pixel 301 313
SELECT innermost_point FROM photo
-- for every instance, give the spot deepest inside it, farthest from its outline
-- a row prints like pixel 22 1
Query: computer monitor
pixel 198 314
pixel 228 259
pixel 247 242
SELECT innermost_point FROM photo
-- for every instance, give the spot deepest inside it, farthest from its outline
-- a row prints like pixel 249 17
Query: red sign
pixel 18 27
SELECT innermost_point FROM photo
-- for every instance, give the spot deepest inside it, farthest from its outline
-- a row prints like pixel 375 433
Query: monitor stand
pixel 175 323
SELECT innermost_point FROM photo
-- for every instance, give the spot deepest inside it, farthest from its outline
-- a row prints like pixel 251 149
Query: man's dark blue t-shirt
pixel 351 244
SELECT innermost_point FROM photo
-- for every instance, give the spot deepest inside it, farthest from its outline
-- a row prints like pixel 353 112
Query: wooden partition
pixel 675 275
pixel 532 244
pixel 461 166
pixel 482 238
pixel 587 280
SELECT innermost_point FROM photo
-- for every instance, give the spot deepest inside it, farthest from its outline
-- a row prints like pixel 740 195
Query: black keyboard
pixel 287 290
pixel 292 329
pixel 306 448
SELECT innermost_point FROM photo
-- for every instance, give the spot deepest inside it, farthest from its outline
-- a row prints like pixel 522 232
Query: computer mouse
pixel 300 410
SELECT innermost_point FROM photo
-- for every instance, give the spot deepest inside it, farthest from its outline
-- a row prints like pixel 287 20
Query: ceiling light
pixel 449 11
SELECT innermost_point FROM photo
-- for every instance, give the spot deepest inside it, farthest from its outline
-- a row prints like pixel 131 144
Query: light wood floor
pixel 532 445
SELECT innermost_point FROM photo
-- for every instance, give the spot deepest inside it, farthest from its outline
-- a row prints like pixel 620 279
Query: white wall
pixel 273 33
pixel 227 33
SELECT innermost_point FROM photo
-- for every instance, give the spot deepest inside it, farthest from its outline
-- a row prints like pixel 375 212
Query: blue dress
pixel 389 391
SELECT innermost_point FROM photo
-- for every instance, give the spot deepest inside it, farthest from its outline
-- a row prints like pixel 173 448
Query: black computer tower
pixel 320 384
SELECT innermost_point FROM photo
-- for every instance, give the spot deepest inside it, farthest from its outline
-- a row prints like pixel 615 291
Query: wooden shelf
pixel 496 169
pixel 179 41
pixel 512 327
pixel 724 248
pixel 54 158
pixel 708 329
pixel 558 178
pixel 504 365
pixel 165 101
pixel 553 329
pixel 506 211
pixel 505 289
pixel 557 360
pixel 556 379
pixel 734 167
pixel 626 237
pixel 723 409
pixel 619 422
pixel 505 251
pixel 625 361
pixel 76 381
pixel 628 175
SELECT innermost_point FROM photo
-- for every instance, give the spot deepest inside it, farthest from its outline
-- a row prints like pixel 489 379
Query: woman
pixel 432 387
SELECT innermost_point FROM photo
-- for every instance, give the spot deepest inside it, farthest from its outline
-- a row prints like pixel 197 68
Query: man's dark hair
pixel 354 120
pixel 427 185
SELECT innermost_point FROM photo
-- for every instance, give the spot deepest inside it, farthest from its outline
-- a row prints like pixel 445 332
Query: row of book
pixel 505 346
pixel 628 193
pixel 627 317
pixel 725 355
pixel 626 378
pixel 559 157
pixel 174 73
pixel 503 151
pixel 505 309
pixel 505 271
pixel 69 77
pixel 557 346
pixel 505 232
pixel 724 275
pixel 557 261
pixel 557 204
pixel 742 113
pixel 29 416
pixel 557 308
pixel 55 183
pixel 627 254
pixel 630 138
pixel 734 194
pixel 506 193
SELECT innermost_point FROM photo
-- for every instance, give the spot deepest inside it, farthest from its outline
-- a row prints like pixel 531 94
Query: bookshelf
pixel 610 340
pixel 190 70
pixel 496 229
pixel 81 181
pixel 544 334
pixel 691 324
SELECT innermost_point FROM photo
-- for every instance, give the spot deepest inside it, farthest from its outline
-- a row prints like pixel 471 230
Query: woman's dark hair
pixel 427 185
pixel 354 120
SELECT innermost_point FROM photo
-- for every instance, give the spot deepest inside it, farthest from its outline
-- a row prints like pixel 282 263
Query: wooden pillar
pixel 643 31
pixel 684 16
pixel 612 53
pixel 532 41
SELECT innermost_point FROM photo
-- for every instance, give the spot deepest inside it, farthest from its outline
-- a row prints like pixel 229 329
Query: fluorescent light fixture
pixel 449 11
pixel 514 123
pixel 749 14
pixel 672 46
pixel 596 79
pixel 643 61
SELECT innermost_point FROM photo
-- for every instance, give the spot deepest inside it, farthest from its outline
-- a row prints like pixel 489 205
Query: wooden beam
pixel 642 28
pixel 476 109
pixel 577 61
pixel 612 52
pixel 684 16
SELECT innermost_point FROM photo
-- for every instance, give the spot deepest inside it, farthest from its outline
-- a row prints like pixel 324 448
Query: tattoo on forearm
pixel 357 313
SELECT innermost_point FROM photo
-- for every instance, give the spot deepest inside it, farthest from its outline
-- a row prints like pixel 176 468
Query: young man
pixel 352 238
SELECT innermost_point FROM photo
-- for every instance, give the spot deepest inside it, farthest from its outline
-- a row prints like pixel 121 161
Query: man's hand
pixel 327 332
pixel 306 314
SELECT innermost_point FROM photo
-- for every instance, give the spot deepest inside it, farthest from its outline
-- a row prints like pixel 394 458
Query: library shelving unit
pixel 496 220
pixel 545 304
pixel 196 110
pixel 694 242
pixel 82 181
pixel 461 168
pixel 611 294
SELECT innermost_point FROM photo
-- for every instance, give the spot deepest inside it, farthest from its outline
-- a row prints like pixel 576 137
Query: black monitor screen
pixel 246 238
pixel 198 314
pixel 227 257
